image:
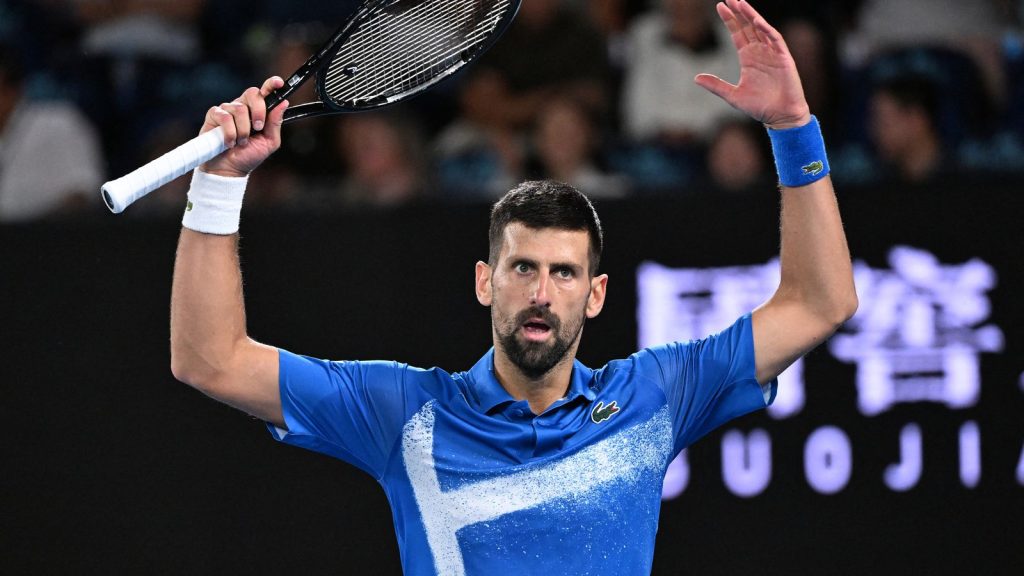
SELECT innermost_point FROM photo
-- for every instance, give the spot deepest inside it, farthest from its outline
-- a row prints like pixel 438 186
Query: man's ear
pixel 483 283
pixel 598 289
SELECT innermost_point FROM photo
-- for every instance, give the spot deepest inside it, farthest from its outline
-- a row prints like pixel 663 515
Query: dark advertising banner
pixel 897 447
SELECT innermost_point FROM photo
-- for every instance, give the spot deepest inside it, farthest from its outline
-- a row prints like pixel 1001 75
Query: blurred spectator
pixel 140 68
pixel 565 141
pixel 383 156
pixel 739 158
pixel 50 158
pixel 160 29
pixel 477 161
pixel 668 47
pixel 549 49
pixel 611 18
pixel 44 32
pixel 974 28
pixel 904 130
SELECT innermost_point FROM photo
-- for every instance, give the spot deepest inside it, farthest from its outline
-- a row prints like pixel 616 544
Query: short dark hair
pixel 541 204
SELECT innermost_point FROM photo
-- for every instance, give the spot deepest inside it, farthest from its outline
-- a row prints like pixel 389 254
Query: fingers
pixel 271 84
pixel 755 26
pixel 745 16
pixel 739 37
pixel 243 124
pixel 233 117
pixel 765 32
pixel 218 116
pixel 716 86
pixel 272 131
pixel 747 26
pixel 771 36
pixel 745 12
pixel 255 99
pixel 257 106
pixel 275 121
pixel 248 114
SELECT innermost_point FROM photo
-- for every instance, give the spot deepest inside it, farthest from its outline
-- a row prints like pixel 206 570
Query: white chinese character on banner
pixel 919 330
pixel 681 304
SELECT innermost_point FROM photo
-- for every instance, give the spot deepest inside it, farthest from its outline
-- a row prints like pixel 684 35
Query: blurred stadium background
pixel 900 449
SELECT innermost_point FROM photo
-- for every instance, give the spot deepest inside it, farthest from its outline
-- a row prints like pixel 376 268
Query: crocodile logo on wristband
pixel 188 206
pixel 814 168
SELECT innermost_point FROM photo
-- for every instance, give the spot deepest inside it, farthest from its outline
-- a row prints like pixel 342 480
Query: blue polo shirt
pixel 478 484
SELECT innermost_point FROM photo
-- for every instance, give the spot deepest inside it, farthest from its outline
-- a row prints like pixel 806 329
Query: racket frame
pixel 120 193
pixel 318 64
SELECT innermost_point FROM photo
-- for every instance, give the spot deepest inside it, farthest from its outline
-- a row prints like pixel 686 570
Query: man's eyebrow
pixel 569 265
pixel 513 260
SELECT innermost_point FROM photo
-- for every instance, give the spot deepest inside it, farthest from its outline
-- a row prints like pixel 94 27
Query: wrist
pixel 799 153
pixel 214 203
pixel 222 172
pixel 802 120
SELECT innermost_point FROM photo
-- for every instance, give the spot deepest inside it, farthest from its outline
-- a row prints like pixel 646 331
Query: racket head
pixel 392 50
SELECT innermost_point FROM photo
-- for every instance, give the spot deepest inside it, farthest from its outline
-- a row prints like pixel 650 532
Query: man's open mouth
pixel 536 328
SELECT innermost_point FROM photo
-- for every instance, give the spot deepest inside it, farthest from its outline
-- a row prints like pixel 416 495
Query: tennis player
pixel 528 462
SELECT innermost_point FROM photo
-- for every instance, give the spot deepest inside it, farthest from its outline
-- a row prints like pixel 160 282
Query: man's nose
pixel 540 294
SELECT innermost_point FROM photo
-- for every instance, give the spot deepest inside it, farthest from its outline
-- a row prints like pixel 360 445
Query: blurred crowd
pixel 597 93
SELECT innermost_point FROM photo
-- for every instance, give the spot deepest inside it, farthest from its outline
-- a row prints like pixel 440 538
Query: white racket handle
pixel 121 193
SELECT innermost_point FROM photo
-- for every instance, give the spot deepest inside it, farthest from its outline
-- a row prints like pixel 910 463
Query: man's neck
pixel 540 393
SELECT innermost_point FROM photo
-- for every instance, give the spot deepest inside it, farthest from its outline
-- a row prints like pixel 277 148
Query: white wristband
pixel 214 203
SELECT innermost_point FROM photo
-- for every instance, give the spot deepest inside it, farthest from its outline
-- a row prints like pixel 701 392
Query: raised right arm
pixel 210 348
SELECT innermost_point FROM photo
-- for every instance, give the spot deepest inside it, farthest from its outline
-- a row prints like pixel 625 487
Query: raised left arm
pixel 816 292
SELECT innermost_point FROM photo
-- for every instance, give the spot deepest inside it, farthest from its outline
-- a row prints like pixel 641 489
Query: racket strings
pixel 425 26
pixel 408 44
pixel 409 49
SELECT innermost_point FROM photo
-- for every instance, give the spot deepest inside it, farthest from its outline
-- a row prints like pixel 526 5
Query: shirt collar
pixel 488 393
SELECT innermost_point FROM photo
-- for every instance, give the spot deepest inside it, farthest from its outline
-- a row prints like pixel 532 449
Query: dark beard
pixel 535 359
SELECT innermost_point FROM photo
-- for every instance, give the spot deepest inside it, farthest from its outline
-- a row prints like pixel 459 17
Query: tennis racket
pixel 387 51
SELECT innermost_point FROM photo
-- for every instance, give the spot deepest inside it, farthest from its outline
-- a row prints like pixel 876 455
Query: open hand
pixel 769 88
pixel 250 133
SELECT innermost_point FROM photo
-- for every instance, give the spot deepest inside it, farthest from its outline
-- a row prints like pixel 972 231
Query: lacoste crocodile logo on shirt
pixel 602 412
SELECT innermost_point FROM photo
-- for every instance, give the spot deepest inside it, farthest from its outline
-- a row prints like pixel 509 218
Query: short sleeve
pixel 353 411
pixel 707 382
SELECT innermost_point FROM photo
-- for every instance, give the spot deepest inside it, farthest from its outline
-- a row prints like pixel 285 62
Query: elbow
pixel 187 370
pixel 829 311
pixel 183 371
pixel 852 304
pixel 203 367
pixel 843 308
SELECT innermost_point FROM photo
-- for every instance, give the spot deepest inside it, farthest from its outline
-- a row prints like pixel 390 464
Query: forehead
pixel 545 244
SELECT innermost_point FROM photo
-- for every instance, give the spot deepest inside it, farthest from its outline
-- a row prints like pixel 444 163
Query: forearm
pixel 210 349
pixel 207 310
pixel 816 270
pixel 816 292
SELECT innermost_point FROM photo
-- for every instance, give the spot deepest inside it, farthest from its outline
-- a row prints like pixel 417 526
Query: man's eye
pixel 522 268
pixel 564 273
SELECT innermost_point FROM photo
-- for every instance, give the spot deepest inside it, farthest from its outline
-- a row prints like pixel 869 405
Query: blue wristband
pixel 799 154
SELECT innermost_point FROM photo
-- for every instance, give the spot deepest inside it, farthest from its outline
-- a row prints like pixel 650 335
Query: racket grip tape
pixel 121 193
